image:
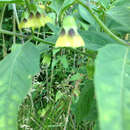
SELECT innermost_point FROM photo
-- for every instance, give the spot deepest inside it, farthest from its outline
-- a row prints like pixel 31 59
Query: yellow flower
pixel 68 40
pixel 35 21
pixel 69 37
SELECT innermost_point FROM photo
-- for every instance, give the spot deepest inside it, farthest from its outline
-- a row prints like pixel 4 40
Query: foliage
pixel 17 71
pixel 64 88
pixel 113 82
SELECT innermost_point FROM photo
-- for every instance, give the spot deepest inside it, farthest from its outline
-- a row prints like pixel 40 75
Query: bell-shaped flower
pixel 69 36
pixel 35 21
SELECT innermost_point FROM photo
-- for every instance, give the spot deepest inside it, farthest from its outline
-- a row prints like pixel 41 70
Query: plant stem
pixel 63 10
pixel 102 25
pixel 11 33
pixel 14 27
pixel 69 107
pixel 2 15
pixel 68 113
pixel 21 35
pixel 43 41
pixel 17 20
pixel 39 40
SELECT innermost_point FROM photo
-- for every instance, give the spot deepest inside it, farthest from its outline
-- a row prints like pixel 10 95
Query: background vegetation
pixel 46 88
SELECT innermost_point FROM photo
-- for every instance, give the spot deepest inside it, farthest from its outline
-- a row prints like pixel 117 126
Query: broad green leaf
pixel 51 38
pixel 122 3
pixel 95 40
pixel 83 107
pixel 121 14
pixel 16 74
pixel 112 86
pixel 90 68
pixel 43 47
pixel 87 16
pixel 96 126
pixel 67 2
pixel 60 5
pixel 11 1
pixel 56 5
pixel 113 24
pixel 115 27
pixel 92 113
pixel 54 28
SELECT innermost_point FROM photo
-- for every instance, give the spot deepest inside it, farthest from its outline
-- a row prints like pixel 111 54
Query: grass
pixel 48 104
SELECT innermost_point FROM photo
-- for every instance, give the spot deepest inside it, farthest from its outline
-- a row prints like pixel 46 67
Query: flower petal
pixel 67 41
pixel 35 22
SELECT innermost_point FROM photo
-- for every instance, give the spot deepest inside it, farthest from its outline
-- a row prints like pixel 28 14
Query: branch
pixel 103 26
pixel 11 33
pixel 40 40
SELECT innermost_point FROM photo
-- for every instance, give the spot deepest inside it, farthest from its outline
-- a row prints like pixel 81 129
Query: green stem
pixel 17 19
pixel 63 10
pixel 39 40
pixel 11 33
pixel 52 44
pixel 14 27
pixel 2 15
pixel 24 36
pixel 102 25
pixel 43 41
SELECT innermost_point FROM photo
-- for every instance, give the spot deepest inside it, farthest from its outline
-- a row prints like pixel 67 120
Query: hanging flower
pixel 69 36
pixel 35 21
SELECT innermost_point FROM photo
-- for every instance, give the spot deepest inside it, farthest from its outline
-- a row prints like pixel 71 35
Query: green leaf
pixel 43 47
pixel 54 28
pixel 96 126
pixel 121 14
pixel 59 5
pixel 51 38
pixel 115 27
pixel 56 5
pixel 90 68
pixel 16 74
pixel 83 107
pixel 95 40
pixel 67 3
pixel 122 3
pixel 87 16
pixel 112 86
